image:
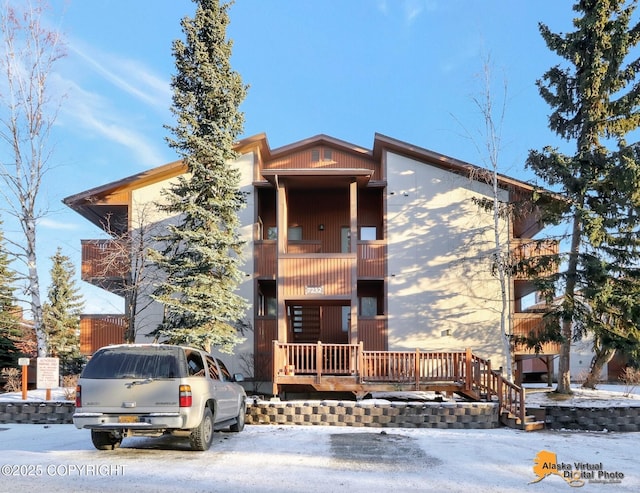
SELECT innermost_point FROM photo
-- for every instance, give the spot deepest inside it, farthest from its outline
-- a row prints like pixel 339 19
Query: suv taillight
pixel 185 398
pixel 78 396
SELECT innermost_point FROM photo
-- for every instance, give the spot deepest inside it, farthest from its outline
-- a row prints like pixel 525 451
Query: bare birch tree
pixel 491 135
pixel 128 256
pixel 28 111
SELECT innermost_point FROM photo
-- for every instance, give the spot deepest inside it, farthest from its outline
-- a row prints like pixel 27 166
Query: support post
pixel 416 369
pixel 468 370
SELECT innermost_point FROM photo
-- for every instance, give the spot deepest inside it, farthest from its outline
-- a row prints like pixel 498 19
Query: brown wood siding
pixel 332 273
pixel 97 331
pixel 266 258
pixel 370 209
pixel 371 259
pixel 266 331
pixel 331 329
pixel 339 159
pixel 309 209
pixel 373 333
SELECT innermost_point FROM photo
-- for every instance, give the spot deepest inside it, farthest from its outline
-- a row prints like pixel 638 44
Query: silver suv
pixel 155 389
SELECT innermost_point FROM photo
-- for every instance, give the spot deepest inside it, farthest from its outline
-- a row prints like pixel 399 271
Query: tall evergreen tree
pixel 202 255
pixel 62 313
pixel 9 314
pixel 595 100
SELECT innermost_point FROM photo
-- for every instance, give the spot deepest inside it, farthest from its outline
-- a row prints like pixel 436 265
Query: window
pixel 295 233
pixel 213 369
pixel 272 233
pixel 368 233
pixel 368 306
pixel 345 239
pixel 224 373
pixel 327 155
pixel 196 366
pixel 346 318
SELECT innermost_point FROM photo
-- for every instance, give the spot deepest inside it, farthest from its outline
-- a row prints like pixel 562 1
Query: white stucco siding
pixel 441 294
pixel 245 164
pixel 143 213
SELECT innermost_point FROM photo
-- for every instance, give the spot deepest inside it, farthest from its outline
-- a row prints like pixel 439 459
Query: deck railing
pixel 419 368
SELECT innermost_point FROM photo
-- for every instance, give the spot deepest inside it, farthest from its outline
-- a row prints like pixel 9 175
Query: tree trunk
pixel 564 361
pixel 601 357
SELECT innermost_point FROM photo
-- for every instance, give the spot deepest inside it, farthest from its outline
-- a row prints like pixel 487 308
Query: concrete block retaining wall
pixel 592 418
pixel 393 414
pixel 50 412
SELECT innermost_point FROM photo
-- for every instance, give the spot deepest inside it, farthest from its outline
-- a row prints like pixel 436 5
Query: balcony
pixel 308 257
pixel 538 254
pixel 105 263
pixel 525 324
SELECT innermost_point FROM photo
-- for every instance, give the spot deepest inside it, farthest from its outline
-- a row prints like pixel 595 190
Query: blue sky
pixel 408 69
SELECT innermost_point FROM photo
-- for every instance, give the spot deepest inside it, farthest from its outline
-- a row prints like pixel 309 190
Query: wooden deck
pixel 349 368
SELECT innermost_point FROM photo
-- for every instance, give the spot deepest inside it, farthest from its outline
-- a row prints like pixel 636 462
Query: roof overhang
pixel 317 177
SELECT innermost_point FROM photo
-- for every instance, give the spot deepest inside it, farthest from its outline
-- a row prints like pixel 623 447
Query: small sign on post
pixel 24 363
pixel 48 375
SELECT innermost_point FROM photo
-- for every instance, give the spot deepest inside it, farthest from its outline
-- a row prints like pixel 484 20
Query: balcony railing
pixel 104 259
pixel 371 257
pixel 538 254
pixel 528 324
pixel 348 367
pixel 97 331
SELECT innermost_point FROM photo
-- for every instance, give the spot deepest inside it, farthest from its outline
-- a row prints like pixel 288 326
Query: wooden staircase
pixel 512 421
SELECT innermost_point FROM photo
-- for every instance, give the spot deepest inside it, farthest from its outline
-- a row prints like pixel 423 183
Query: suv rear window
pixel 136 362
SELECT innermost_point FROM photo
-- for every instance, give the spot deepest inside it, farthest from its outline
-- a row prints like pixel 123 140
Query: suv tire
pixel 202 436
pixel 105 440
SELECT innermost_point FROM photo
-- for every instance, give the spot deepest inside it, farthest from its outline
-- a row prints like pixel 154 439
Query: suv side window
pixel 226 376
pixel 195 363
pixel 213 369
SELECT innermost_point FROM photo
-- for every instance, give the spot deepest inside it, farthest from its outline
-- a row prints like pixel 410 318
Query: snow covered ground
pixel 59 458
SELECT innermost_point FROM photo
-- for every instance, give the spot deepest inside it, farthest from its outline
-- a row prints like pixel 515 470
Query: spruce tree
pixel 61 313
pixel 201 257
pixel 595 99
pixel 9 314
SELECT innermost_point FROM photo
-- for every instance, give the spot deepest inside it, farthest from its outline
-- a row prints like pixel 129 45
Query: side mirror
pixel 238 377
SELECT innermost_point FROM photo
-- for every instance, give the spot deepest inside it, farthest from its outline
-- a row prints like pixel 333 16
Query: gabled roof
pixel 89 202
pixel 382 143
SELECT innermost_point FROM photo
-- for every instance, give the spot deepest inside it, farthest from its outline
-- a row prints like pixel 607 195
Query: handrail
pixel 417 367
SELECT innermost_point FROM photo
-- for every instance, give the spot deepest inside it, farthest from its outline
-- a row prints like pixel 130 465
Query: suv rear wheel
pixel 105 440
pixel 202 435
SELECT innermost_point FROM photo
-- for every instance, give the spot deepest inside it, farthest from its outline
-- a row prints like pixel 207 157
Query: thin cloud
pixel 128 75
pixel 93 113
pixel 410 9
pixel 56 225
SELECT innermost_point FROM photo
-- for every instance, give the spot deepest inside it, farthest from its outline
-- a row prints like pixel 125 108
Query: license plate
pixel 127 419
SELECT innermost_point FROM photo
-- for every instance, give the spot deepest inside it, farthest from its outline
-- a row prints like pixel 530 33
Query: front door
pixel 304 323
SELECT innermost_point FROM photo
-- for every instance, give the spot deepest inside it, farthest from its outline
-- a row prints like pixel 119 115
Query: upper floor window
pixel 294 233
pixel 368 233
pixel 326 154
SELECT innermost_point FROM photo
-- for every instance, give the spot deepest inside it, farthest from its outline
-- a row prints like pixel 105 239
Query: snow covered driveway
pixel 60 458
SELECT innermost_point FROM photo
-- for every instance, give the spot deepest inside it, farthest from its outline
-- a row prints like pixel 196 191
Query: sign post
pixel 24 363
pixel 48 375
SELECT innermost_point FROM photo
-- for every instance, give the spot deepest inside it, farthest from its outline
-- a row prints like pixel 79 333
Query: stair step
pixel 533 426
